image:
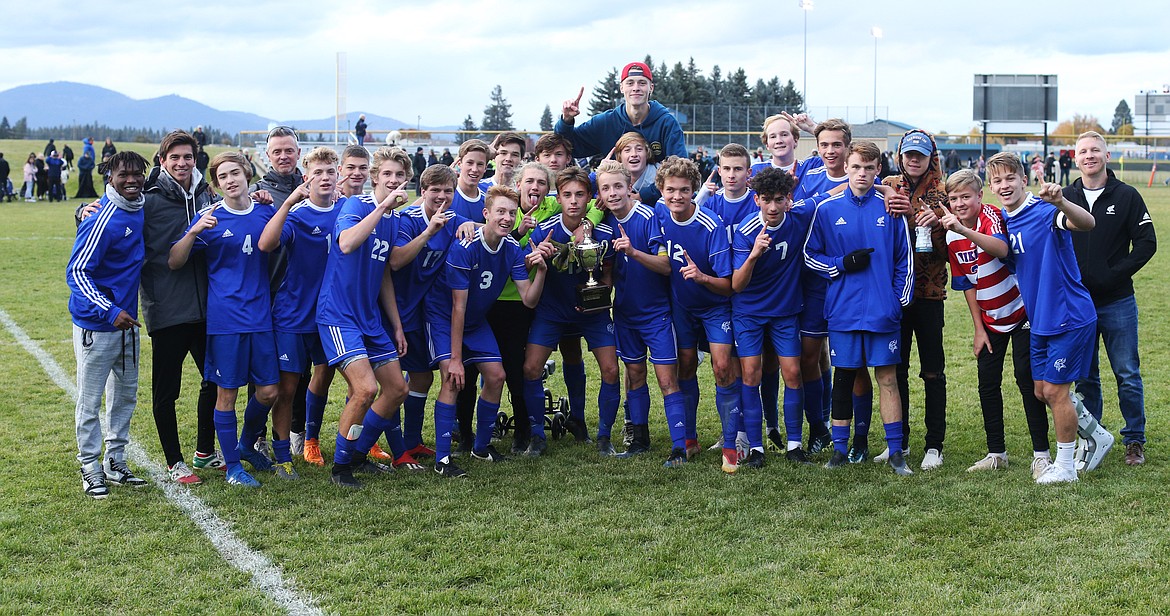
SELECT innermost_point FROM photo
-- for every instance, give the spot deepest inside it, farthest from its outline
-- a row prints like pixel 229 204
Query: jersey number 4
pixel 247 247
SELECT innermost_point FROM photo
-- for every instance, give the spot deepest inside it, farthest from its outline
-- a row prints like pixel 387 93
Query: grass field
pixel 572 532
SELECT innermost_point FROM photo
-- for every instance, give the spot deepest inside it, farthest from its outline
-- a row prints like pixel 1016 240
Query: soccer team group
pixel 794 276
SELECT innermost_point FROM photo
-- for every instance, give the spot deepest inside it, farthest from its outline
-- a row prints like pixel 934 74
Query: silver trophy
pixel 592 296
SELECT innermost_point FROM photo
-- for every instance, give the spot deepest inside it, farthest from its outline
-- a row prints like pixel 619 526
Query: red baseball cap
pixel 637 69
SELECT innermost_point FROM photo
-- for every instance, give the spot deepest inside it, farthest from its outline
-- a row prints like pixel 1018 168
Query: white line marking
pixel 266 576
pixel 36 238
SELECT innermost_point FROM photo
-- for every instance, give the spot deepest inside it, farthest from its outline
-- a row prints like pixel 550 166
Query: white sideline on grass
pixel 266 576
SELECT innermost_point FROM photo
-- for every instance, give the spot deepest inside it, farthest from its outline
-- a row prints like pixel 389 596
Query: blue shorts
pixel 345 344
pixel 751 332
pixel 597 330
pixel 859 349
pixel 658 335
pixel 234 360
pixel 813 323
pixel 420 356
pixel 296 352
pixel 714 323
pixel 1065 357
pixel 479 343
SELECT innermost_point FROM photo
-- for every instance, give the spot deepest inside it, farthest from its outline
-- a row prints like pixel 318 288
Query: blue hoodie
pixel 599 133
pixel 106 264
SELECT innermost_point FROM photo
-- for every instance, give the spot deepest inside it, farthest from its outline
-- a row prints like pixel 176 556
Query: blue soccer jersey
pixel 815 180
pixel 558 301
pixel 349 292
pixel 774 289
pixel 704 238
pixel 306 236
pixel 414 280
pixel 870 299
pixel 1046 268
pixel 640 295
pixel 238 300
pixel 471 209
pixel 732 211
pixel 474 267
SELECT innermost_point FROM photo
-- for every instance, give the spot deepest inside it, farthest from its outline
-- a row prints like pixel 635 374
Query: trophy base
pixel 594 299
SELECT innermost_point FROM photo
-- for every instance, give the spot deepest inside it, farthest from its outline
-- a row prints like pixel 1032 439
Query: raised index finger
pixel 621 229
pixel 580 93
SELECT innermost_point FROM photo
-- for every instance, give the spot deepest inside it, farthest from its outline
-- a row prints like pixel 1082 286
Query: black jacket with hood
pixel 179 296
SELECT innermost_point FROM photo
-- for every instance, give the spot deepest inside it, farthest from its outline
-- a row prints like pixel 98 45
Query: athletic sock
pixel 753 415
pixel 690 392
pixel 638 404
pixel 862 415
pixel 727 401
pixel 485 420
pixel 394 436
pixel 444 422
pixel 813 392
pixel 534 400
pixel 281 450
pixel 229 443
pixel 343 452
pixel 414 408
pixel 373 425
pixel 675 405
pixel 314 414
pixel 826 394
pixel 793 404
pixel 629 415
pixel 255 420
pixel 609 396
pixel 1065 454
pixel 574 375
pixel 894 436
pixel 840 438
pixel 770 396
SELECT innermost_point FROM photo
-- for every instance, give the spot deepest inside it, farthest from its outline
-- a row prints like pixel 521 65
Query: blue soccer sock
pixel 574 375
pixel 676 411
pixel 862 415
pixel 282 451
pixel 627 411
pixel 826 395
pixel 444 422
pixel 638 403
pixel 840 439
pixel 394 438
pixel 229 443
pixel 413 409
pixel 893 436
pixel 793 405
pixel 255 422
pixel 343 452
pixel 314 414
pixel 753 416
pixel 534 400
pixel 727 401
pixel 770 395
pixel 485 419
pixel 609 397
pixel 373 425
pixel 813 394
pixel 690 392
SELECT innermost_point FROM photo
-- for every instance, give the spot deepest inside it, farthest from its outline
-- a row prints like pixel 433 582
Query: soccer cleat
pixel 342 475
pixel 898 463
pixel 262 447
pixel 537 446
pixel 240 477
pixel 884 456
pixel 119 474
pixel 932 460
pixel 798 456
pixel 693 448
pixel 285 470
pixel 776 440
pixel 716 446
pixel 407 462
pixel 259 461
pixel 519 445
pixel 754 459
pixel 819 443
pixel 421 451
pixel 627 434
pixel 640 444
pixel 992 462
pixel 1057 474
pixel 369 467
pixel 837 461
pixel 489 454
pixel 1135 454
pixel 93 481
pixel 296 443
pixel 181 473
pixel 313 452
pixel 449 470
pixel 578 429
pixel 605 447
pixel 377 453
pixel 1039 465
pixel 678 457
pixel 1096 448
pixel 212 461
pixel 730 459
pixel 463 449
pixel 742 445
pixel 857 455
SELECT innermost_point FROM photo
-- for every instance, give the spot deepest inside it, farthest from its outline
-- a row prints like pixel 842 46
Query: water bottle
pixel 922 241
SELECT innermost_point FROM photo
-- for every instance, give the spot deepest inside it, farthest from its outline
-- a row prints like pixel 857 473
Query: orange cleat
pixel 377 453
pixel 313 452
pixel 730 459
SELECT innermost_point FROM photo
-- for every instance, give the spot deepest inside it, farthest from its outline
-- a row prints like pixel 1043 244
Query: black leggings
pixel 510 321
pixel 171 346
pixel 991 390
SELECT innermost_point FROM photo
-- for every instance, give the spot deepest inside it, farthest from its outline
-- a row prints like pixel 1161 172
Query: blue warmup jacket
pixel 105 267
pixel 599 133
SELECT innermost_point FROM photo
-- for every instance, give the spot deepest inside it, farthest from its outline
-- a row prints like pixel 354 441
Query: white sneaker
pixel 1057 474
pixel 296 443
pixel 932 460
pixel 181 473
pixel 742 445
pixel 993 462
pixel 884 456
pixel 1039 465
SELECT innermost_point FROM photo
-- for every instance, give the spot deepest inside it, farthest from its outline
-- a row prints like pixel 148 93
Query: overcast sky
pixel 440 60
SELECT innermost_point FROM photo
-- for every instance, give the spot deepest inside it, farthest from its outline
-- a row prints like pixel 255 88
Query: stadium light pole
pixel 877 34
pixel 806 6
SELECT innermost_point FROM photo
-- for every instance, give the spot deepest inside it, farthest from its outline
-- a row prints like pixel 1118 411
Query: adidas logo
pixel 217 373
pixel 679 425
pixel 228 233
pixel 284 357
pixel 128 232
pixel 316 230
pixel 840 221
pixel 1108 210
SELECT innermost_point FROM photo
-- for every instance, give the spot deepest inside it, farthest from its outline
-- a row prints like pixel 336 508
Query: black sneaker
pixel 578 429
pixel 464 448
pixel 857 455
pixel 369 467
pixel 449 470
pixel 838 460
pixel 93 481
pixel 490 454
pixel 119 474
pixel 342 475
pixel 536 447
pixel 798 456
pixel 777 440
pixel 605 447
pixel 678 457
pixel 519 445
pixel 754 459
pixel 819 443
pixel 636 448
pixel 898 463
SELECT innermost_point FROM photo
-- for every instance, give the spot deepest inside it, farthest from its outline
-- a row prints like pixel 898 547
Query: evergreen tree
pixel 498 114
pixel 606 94
pixel 469 130
pixel 5 128
pixel 790 98
pixel 737 89
pixel 1121 117
pixel 20 130
pixel 546 119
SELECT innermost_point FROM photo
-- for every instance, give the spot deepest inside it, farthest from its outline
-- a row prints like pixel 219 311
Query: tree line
pixel 21 130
